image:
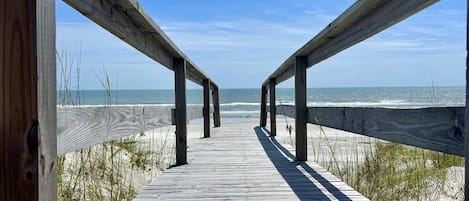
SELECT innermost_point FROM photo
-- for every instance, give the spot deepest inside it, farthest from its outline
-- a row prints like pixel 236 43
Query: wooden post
pixel 263 122
pixel 206 108
pixel 27 100
pixel 181 110
pixel 466 115
pixel 216 107
pixel 300 105
pixel 273 120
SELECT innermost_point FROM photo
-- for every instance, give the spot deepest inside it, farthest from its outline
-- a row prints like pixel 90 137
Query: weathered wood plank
pixel 206 109
pixel 216 106
pixel 263 115
pixel 273 120
pixel 27 100
pixel 300 108
pixel 242 163
pixel 127 20
pixel 79 127
pixel 466 117
pixel 181 110
pixel 47 101
pixel 360 21
pixel 438 129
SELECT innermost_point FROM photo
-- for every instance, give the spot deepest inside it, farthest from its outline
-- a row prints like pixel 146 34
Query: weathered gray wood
pixel 263 115
pixel 273 120
pixel 206 89
pixel 466 117
pixel 47 101
pixel 242 163
pixel 27 100
pixel 216 107
pixel 127 20
pixel 80 127
pixel 181 118
pixel 360 21
pixel 300 105
pixel 438 129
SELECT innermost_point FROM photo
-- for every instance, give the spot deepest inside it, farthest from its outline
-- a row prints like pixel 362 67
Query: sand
pixel 325 145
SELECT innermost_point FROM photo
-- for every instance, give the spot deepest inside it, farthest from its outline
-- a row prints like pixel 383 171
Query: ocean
pixel 241 105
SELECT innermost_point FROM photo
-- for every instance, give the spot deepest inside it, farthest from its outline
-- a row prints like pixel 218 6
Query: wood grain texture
pixel 181 110
pixel 82 127
pixel 439 129
pixel 127 20
pixel 19 123
pixel 216 107
pixel 47 101
pixel 466 117
pixel 206 108
pixel 273 119
pixel 263 115
pixel 244 163
pixel 301 135
pixel 360 21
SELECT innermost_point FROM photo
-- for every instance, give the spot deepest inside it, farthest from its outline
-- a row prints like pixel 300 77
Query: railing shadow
pixel 289 169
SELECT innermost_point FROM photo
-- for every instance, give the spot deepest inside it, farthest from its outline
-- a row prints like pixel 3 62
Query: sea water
pixel 243 105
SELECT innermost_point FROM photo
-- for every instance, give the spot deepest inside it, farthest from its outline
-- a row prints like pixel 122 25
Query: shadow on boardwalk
pixel 306 182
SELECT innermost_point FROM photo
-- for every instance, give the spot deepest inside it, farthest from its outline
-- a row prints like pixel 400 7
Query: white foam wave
pixel 240 104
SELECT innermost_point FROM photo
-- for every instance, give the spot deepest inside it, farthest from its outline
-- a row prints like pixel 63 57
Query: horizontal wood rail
pixel 127 20
pixel 435 128
pixel 82 127
pixel 360 21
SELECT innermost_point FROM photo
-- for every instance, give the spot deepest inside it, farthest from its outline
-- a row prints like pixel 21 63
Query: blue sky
pixel 239 43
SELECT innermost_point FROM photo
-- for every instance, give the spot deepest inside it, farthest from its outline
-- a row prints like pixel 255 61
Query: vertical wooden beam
pixel 300 105
pixel 47 99
pixel 27 100
pixel 181 110
pixel 206 108
pixel 216 107
pixel 466 115
pixel 263 122
pixel 273 119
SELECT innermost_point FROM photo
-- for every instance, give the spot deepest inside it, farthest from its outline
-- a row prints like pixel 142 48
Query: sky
pixel 240 43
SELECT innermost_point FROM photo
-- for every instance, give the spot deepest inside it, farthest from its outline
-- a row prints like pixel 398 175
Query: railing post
pixel 273 119
pixel 263 122
pixel 216 107
pixel 301 110
pixel 206 109
pixel 181 110
pixel 28 121
pixel 466 115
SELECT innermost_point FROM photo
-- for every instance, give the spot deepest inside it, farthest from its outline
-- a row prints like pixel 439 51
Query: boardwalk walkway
pixel 244 164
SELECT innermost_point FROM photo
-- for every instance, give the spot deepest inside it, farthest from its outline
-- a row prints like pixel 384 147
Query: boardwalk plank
pixel 245 164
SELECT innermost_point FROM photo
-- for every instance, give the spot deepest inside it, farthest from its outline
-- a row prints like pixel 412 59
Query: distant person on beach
pixel 289 129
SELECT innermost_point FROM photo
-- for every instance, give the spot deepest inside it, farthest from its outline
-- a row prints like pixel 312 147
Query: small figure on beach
pixel 289 129
pixel 286 127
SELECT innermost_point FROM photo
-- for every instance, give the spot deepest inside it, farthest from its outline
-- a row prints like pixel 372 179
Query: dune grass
pixel 386 171
pixel 114 170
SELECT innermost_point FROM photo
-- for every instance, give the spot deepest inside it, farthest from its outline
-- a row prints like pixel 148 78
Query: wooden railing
pixel 29 138
pixel 439 129
pixel 80 127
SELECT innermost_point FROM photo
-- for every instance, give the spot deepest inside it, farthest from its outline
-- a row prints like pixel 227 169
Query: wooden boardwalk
pixel 245 164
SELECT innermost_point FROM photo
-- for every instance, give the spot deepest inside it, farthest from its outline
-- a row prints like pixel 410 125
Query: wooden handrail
pixel 128 20
pixel 360 21
pixel 80 127
pixel 434 128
